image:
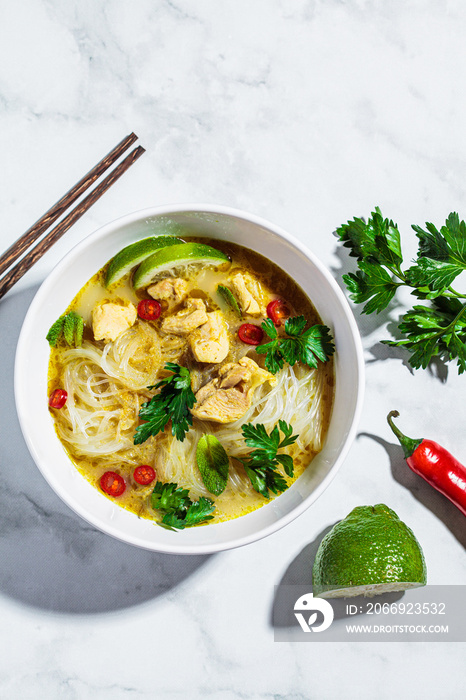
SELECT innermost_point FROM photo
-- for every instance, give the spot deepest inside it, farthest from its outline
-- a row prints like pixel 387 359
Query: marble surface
pixel 306 112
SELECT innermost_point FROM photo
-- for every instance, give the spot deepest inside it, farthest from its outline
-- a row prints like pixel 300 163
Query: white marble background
pixel 306 112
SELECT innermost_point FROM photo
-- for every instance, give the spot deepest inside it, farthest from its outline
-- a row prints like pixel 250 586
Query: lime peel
pixel 132 255
pixel 167 259
pixel 368 553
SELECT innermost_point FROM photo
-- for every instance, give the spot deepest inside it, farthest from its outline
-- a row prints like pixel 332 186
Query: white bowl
pixel 72 273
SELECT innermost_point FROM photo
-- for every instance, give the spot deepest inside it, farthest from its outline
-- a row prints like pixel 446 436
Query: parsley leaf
pixel 178 510
pixel 300 345
pixel 169 497
pixel 172 403
pixel 261 465
pixel 438 329
pixel 377 241
pixel 371 283
pixel 70 327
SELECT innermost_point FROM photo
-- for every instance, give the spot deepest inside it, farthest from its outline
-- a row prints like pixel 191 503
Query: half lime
pixel 134 254
pixel 368 553
pixel 175 257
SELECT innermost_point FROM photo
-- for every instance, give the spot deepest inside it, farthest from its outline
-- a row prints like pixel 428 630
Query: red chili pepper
pixel 149 309
pixel 435 464
pixel 112 483
pixel 278 310
pixel 250 334
pixel 144 474
pixel 57 398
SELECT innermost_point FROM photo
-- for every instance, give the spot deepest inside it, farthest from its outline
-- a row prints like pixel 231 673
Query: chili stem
pixel 408 444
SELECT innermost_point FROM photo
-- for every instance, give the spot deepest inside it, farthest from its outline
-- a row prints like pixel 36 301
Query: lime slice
pixel 133 254
pixel 176 256
pixel 368 553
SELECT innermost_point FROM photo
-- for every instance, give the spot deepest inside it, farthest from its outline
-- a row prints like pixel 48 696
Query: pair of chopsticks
pixel 14 272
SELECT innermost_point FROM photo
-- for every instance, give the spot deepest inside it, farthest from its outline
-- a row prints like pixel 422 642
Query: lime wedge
pixel 368 553
pixel 133 254
pixel 174 257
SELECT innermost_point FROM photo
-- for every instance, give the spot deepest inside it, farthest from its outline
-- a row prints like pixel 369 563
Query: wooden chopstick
pixel 32 234
pixel 16 272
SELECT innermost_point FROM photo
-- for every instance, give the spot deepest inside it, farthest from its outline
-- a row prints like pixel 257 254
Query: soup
pixel 171 393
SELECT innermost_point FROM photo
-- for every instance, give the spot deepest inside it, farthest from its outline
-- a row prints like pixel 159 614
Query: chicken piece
pixel 209 343
pixel 110 320
pixel 191 317
pixel 252 297
pixel 173 290
pixel 227 397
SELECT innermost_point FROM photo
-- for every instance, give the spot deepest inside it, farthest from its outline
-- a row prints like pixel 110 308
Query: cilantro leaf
pixel 299 345
pixel 178 510
pixel 261 465
pixel 173 402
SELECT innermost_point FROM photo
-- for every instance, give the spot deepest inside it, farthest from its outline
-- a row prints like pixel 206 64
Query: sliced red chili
pixel 144 474
pixel 149 309
pixel 112 483
pixel 57 398
pixel 250 334
pixel 278 310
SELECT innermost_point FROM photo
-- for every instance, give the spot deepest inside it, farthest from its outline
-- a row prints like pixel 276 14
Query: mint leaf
pixel 55 331
pixel 213 464
pixel 70 327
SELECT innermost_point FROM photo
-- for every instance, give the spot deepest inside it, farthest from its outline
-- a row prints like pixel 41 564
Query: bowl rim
pixel 174 209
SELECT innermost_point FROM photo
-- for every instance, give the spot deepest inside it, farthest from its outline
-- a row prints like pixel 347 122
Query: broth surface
pixel 104 409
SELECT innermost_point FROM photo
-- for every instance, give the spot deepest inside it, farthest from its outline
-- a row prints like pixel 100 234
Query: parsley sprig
pixel 172 403
pixel 307 346
pixel 426 331
pixel 262 464
pixel 179 511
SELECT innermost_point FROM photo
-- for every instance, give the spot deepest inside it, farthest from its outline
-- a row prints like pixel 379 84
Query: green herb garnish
pixel 228 296
pixel 70 327
pixel 213 464
pixel 307 346
pixel 437 329
pixel 179 511
pixel 172 403
pixel 262 463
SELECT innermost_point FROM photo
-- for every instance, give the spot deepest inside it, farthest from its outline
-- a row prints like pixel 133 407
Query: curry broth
pixel 136 498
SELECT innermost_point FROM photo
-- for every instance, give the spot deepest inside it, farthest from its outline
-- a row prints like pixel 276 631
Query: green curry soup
pixel 125 348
